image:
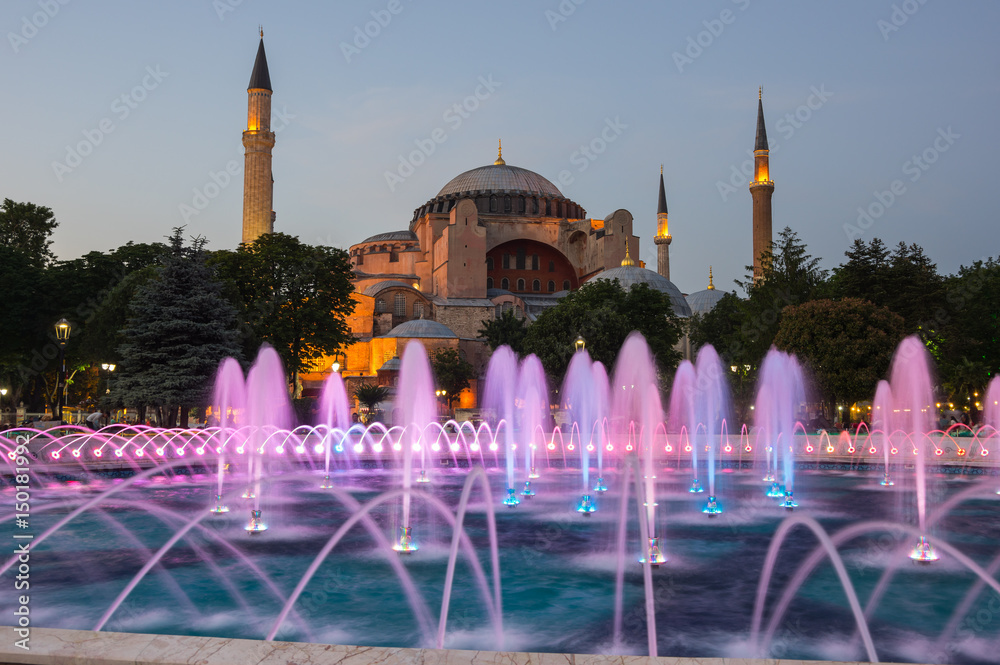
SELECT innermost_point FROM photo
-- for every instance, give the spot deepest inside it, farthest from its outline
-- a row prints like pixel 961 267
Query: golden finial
pixel 499 161
pixel 661 169
pixel 627 261
pixel 261 31
pixel 760 92
pixel 711 287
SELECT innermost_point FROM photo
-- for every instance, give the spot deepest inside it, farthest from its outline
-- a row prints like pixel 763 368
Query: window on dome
pixel 493 204
pixel 399 305
pixel 521 256
pixel 552 266
pixel 534 261
pixel 566 285
pixel 489 263
pixel 520 285
pixel 380 305
pixel 505 284
pixel 506 261
pixel 489 282
pixel 536 286
pixel 506 204
pixel 552 286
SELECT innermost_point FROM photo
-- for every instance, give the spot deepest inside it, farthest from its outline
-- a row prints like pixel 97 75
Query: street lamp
pixel 580 343
pixel 63 330
pixel 3 393
pixel 108 367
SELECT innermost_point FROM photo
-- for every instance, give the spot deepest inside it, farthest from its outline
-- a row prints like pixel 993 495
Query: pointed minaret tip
pixel 260 78
pixel 661 205
pixel 711 286
pixel 761 142
pixel 499 160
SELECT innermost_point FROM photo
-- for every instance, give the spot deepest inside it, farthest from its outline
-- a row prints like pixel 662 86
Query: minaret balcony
pixel 756 183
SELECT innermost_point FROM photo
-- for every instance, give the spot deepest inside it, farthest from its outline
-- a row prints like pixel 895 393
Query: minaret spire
pixel 662 238
pixel 761 189
pixel 258 140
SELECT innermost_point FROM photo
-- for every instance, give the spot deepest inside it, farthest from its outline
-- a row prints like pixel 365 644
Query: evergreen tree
pixel 505 329
pixel 179 330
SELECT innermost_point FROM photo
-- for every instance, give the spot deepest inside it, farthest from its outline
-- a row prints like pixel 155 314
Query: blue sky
pixel 853 92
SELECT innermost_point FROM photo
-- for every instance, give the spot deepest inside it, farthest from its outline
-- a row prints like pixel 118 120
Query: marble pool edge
pixel 58 646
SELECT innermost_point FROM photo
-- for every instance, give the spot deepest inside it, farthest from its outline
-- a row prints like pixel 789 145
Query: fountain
pixel 325 566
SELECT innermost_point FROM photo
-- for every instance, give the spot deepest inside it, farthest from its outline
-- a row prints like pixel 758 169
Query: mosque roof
pixel 703 302
pixel 422 328
pixel 501 177
pixel 628 275
pixel 391 235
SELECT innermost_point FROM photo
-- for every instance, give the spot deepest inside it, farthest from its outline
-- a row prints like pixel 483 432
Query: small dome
pixel 501 177
pixel 422 328
pixel 703 302
pixel 629 275
pixel 391 235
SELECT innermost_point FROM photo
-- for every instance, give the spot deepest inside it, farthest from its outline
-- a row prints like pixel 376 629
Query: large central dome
pixel 499 177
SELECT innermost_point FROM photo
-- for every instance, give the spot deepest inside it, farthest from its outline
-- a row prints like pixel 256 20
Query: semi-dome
pixel 424 328
pixel 501 177
pixel 627 275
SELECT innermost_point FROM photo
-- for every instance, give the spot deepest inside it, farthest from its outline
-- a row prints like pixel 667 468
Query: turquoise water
pixel 558 567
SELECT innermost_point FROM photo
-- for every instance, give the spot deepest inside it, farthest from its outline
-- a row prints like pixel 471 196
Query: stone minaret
pixel 761 189
pixel 662 239
pixel 258 139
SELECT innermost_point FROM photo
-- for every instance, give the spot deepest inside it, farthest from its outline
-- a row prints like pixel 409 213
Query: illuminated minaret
pixel 761 189
pixel 258 139
pixel 662 238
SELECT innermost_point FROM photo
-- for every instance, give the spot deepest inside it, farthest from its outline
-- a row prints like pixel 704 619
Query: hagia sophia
pixel 494 238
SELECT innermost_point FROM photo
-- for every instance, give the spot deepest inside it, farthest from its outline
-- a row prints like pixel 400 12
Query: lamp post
pixel 63 330
pixel 109 368
pixel 580 343
pixel 443 394
pixel 3 393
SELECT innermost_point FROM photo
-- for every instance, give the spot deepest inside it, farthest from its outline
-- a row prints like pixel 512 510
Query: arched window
pixel 552 266
pixel 505 284
pixel 399 305
pixel 534 261
pixel 566 285
pixel 552 286
pixel 517 312
pixel 506 204
pixel 536 286
pixel 506 261
pixel 418 310
pixel 380 305
pixel 507 306
pixel 520 285
pixel 489 282
pixel 493 204
pixel 489 263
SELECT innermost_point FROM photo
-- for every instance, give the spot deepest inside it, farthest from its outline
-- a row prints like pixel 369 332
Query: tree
pixel 370 396
pixel 296 297
pixel 179 330
pixel 790 276
pixel 722 327
pixel 27 227
pixel 452 373
pixel 604 314
pixel 505 329
pixel 846 344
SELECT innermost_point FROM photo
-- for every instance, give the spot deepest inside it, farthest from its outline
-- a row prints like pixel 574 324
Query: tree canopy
pixel 296 297
pixel 452 373
pixel 27 227
pixel 604 314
